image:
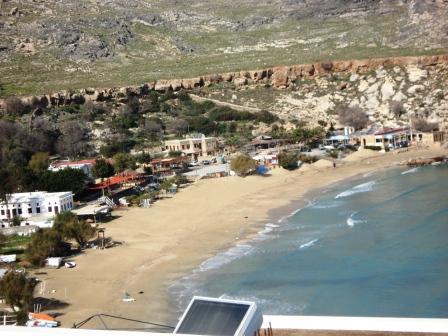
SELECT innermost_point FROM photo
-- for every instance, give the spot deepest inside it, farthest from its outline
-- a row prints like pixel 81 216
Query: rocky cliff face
pixel 310 92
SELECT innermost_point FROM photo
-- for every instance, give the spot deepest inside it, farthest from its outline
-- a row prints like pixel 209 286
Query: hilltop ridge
pixel 49 45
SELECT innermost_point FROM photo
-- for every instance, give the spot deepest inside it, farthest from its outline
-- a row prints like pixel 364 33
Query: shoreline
pixel 174 237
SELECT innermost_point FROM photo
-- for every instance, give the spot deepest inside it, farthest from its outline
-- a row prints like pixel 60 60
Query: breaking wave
pixel 410 171
pixel 309 244
pixel 352 222
pixel 361 188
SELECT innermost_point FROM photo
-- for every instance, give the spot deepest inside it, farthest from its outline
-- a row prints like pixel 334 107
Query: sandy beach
pixel 173 236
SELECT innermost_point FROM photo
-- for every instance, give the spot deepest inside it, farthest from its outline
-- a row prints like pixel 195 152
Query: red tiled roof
pixel 117 179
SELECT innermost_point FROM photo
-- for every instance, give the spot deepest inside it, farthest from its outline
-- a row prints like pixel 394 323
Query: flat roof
pixel 23 197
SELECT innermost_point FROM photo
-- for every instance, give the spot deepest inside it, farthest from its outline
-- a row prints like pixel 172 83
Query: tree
pixel 46 243
pixel 8 184
pixel 353 116
pixel 243 165
pixel 123 161
pixel 397 109
pixel 67 179
pixel 17 291
pixel 74 139
pixel 68 225
pixel 287 160
pixel 39 161
pixel 178 127
pixel 423 125
pixel 153 129
pixel 102 168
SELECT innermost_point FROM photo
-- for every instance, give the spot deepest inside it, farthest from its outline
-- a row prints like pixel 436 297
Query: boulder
pixel 281 77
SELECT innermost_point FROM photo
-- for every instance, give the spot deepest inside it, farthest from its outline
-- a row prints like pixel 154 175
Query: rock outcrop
pixel 279 77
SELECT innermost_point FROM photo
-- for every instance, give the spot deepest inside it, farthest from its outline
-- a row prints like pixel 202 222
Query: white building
pixel 194 146
pixel 35 204
pixel 85 165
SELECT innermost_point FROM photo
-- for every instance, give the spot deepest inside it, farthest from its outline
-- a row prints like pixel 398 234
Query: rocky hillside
pixel 48 45
pixel 390 90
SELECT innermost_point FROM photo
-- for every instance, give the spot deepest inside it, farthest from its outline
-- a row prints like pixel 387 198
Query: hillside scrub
pixel 353 116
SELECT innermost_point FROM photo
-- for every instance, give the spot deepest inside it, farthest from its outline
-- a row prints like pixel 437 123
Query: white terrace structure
pixel 35 204
pixel 194 146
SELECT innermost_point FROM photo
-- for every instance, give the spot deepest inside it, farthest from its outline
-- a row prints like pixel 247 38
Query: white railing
pixel 384 324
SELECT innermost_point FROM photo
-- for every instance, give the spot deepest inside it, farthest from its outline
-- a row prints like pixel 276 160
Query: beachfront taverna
pixel 35 204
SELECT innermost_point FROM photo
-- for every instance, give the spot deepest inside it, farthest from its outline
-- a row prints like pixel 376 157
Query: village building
pixel 169 166
pixel 85 165
pixel 386 137
pixel 35 204
pixel 194 146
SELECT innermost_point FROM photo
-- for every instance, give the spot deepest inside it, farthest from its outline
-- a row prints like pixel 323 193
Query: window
pixel 20 211
pixel 56 210
pixel 14 212
pixel 50 209
pixel 37 209
pixel 30 210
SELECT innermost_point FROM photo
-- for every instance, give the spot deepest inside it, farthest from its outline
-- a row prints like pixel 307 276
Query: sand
pixel 170 239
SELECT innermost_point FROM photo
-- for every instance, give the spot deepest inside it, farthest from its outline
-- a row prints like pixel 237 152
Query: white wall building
pixel 35 204
pixel 85 165
pixel 194 146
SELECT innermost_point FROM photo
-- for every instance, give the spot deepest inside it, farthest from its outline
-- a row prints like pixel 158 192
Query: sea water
pixel 374 246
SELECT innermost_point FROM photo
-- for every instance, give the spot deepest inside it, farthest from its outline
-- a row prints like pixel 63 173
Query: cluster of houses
pixel 384 138
pixel 38 208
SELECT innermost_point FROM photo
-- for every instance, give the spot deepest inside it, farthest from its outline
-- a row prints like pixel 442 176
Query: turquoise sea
pixel 373 246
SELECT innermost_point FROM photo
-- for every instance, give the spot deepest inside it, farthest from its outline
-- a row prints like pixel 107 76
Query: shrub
pixel 397 109
pixel 308 158
pixel 243 165
pixel 16 107
pixel 352 116
pixel 288 160
pixel 423 125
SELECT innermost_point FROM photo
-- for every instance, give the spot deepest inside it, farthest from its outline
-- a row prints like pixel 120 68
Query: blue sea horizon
pixel 372 246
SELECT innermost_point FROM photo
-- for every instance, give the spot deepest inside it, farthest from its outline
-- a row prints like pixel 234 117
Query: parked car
pixel 206 162
pixel 193 164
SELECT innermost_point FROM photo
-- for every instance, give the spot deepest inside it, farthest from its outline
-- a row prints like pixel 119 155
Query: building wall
pixel 191 146
pixel 28 205
pixel 85 167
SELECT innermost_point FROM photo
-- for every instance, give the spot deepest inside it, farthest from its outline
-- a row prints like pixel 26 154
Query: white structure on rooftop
pixel 35 204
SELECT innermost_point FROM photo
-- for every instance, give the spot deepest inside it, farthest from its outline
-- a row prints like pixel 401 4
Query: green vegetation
pixel 13 244
pixel 71 228
pixel 52 242
pixel 243 165
pixel 17 291
pixel 288 160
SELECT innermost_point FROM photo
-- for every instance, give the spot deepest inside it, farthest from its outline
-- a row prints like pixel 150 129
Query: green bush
pixel 288 160
pixel 243 165
pixel 308 158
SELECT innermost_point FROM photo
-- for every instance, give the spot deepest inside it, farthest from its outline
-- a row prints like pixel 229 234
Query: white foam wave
pixel 352 222
pixel 327 205
pixel 309 244
pixel 361 188
pixel 225 257
pixel 410 171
